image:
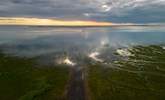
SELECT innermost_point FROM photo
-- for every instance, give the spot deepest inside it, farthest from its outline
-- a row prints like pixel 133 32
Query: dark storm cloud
pixel 104 10
pixel 49 8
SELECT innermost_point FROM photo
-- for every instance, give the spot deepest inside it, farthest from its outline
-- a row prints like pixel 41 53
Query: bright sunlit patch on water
pixel 104 42
pixel 124 52
pixel 69 62
pixel 66 61
pixel 163 47
pixel 94 55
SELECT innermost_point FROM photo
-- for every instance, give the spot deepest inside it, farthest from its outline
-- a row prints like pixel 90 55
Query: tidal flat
pixel 139 76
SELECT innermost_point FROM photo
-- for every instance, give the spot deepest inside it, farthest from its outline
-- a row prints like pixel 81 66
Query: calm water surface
pixel 31 41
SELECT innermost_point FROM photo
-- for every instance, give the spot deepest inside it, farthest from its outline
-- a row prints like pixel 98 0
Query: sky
pixel 122 11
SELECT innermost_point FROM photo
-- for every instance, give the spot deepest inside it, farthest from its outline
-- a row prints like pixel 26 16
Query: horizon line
pixel 26 21
pixel 49 22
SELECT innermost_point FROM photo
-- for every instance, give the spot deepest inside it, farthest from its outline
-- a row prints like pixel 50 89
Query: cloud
pixel 109 10
pixel 130 10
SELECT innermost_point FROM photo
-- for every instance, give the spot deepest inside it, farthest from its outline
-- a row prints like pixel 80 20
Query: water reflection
pixel 35 41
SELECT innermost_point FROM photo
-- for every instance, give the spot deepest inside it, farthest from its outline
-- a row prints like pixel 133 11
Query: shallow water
pixel 25 40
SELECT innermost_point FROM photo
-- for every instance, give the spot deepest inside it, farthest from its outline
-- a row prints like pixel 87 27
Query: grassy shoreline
pixel 137 77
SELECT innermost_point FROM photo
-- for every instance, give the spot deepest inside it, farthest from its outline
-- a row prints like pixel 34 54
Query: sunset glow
pixel 50 22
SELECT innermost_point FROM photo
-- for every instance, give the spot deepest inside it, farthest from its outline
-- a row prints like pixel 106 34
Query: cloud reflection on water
pixel 41 40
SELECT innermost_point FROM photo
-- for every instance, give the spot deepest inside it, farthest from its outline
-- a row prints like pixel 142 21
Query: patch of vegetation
pixel 138 77
pixel 24 79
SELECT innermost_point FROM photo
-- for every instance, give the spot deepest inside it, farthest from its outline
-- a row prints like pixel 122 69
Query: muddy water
pixel 76 89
